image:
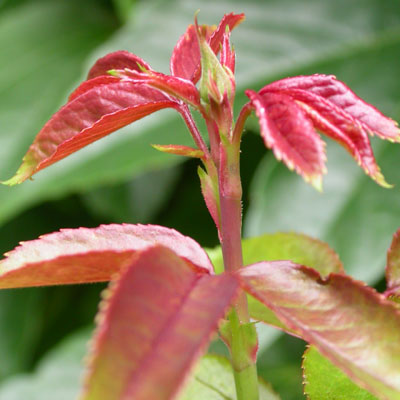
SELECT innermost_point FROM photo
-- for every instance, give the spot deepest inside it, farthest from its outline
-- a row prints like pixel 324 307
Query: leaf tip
pixel 24 172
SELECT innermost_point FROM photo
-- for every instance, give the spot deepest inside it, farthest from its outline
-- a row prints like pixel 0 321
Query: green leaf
pixel 58 374
pixel 322 380
pixel 275 37
pixel 213 380
pixel 350 206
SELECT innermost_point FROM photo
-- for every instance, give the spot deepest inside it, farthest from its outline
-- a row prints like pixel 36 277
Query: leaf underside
pixel 153 325
pixel 352 325
pixel 90 255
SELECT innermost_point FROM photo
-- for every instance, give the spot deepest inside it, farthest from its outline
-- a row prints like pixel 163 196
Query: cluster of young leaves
pixel 177 296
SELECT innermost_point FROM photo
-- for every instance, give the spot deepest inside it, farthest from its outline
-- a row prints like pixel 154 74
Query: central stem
pixel 242 346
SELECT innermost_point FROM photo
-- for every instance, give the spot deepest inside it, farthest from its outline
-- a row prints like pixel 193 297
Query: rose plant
pixel 166 298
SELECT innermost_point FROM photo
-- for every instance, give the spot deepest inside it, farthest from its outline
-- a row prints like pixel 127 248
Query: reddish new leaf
pixel 173 85
pixel 393 267
pixel 185 60
pixel 350 323
pixel 288 131
pixel 337 93
pixel 228 21
pixel 336 111
pixel 117 60
pixel 90 255
pixel 99 110
pixel 185 57
pixel 155 322
pixel 92 83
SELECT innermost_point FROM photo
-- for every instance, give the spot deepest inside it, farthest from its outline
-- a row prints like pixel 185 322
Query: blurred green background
pixel 47 46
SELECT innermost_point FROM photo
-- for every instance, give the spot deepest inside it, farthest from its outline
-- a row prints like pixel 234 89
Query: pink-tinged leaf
pixel 90 255
pixel 288 131
pixel 228 56
pixel 393 267
pixel 178 87
pixel 90 116
pixel 340 126
pixel 92 83
pixel 185 59
pixel 336 111
pixel 154 324
pixel 350 324
pixel 337 93
pixel 228 21
pixel 117 60
pixel 179 150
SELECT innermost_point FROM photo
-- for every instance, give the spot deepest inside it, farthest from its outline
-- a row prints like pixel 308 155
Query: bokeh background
pixel 47 46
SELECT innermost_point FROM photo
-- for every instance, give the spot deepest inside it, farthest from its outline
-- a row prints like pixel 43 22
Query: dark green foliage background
pixel 46 47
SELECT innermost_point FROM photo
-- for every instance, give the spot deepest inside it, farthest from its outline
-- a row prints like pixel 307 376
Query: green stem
pixel 230 193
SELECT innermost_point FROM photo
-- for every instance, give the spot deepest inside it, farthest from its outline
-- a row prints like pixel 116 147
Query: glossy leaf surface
pixel 90 255
pixel 290 134
pixel 213 379
pixel 334 110
pixel 337 94
pixel 117 60
pixel 95 113
pixel 322 380
pixel 175 86
pixel 351 324
pixel 154 323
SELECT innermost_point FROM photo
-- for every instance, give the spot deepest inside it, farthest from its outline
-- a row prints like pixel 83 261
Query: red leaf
pixel 90 255
pixel 393 267
pixel 228 56
pixel 229 21
pixel 185 60
pixel 92 83
pixel 351 324
pixel 154 324
pixel 175 86
pixel 287 130
pixel 336 111
pixel 337 93
pixel 91 115
pixel 117 60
